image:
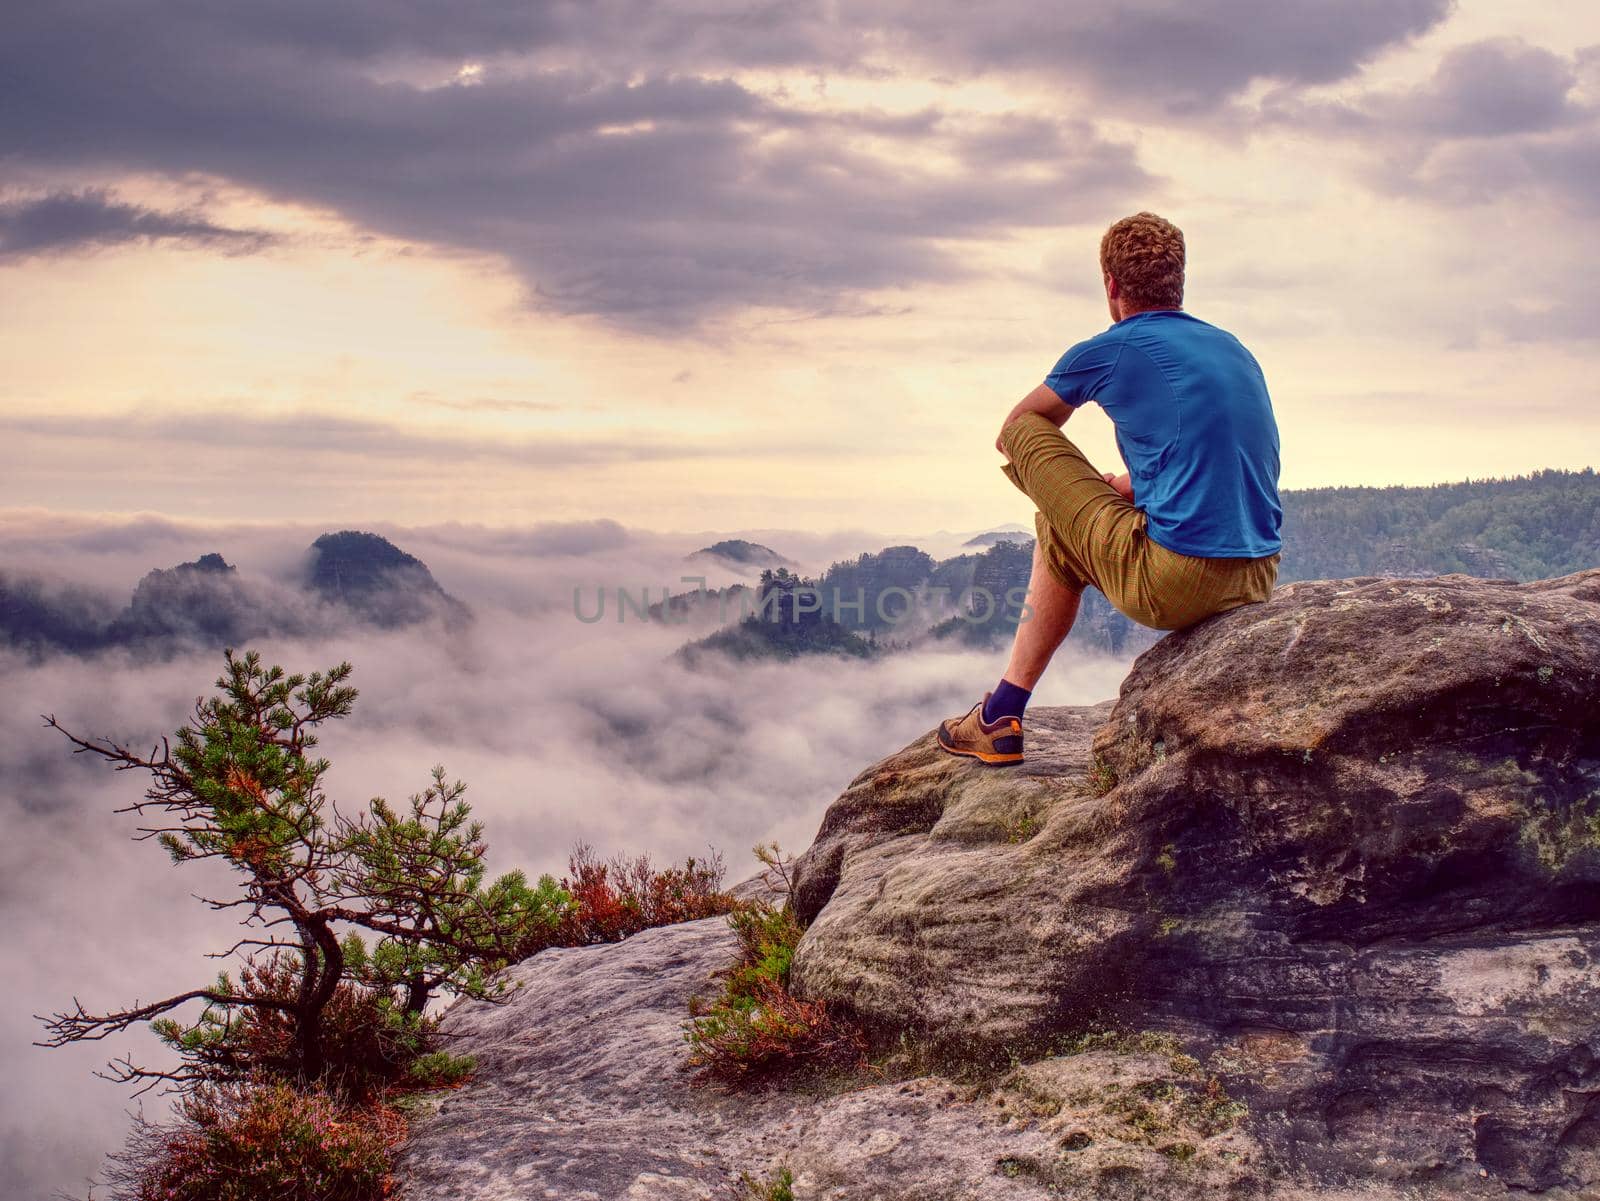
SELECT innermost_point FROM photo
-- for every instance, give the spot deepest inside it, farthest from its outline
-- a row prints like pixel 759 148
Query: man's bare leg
pixel 1052 608
pixel 992 731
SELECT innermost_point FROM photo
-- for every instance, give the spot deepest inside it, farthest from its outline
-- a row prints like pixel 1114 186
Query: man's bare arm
pixel 1042 401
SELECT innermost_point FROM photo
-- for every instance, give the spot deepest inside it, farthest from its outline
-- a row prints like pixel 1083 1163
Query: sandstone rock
pixel 202 601
pixel 1331 863
pixel 581 1094
pixel 1344 844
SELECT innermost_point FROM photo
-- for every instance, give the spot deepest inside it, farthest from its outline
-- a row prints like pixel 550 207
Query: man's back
pixel 1193 529
pixel 1194 424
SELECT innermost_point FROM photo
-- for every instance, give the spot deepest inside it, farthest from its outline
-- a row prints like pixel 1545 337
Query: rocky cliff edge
pixel 1339 852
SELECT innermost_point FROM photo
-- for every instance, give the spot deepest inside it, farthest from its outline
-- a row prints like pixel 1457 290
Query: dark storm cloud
pixel 1178 52
pixel 1486 89
pixel 1563 169
pixel 596 154
pixel 1497 117
pixel 1499 121
pixel 657 202
pixel 61 222
pixel 1571 165
pixel 1495 87
pixel 1175 56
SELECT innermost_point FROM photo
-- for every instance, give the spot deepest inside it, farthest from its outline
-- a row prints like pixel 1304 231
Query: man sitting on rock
pixel 1192 528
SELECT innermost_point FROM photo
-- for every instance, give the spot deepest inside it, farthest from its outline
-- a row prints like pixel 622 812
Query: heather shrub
pixel 438 1069
pixel 777 1187
pixel 607 900
pixel 255 1140
pixel 755 1027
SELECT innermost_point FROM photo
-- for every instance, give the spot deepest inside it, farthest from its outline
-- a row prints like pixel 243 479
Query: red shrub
pixel 618 897
pixel 248 1142
pixel 757 1028
pixel 768 1032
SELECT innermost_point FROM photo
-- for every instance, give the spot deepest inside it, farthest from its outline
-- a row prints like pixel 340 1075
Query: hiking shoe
pixel 996 743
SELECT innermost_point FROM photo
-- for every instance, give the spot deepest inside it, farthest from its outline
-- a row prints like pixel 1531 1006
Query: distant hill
pixel 374 578
pixel 349 576
pixel 883 583
pixel 702 605
pixel 736 552
pixel 1526 528
pixel 785 624
pixel 898 598
pixel 201 601
pixel 1529 527
pixel 990 537
pixel 38 618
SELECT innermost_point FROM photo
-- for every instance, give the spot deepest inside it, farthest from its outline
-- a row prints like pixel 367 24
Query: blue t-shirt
pixel 1194 424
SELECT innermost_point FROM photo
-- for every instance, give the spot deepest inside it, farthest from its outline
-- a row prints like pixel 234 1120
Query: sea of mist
pixel 563 731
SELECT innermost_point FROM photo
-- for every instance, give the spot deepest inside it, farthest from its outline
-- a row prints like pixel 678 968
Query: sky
pixel 753 264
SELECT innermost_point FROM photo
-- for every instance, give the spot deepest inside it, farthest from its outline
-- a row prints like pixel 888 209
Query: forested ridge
pixel 1524 528
pixel 1527 527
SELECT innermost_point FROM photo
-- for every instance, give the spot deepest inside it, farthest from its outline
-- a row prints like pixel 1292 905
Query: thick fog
pixel 563 730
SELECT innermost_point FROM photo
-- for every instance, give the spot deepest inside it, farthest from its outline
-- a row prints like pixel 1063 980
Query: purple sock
pixel 1007 700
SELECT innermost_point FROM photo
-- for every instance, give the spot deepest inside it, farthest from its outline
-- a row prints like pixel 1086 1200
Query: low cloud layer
pixel 562 730
pixel 321 434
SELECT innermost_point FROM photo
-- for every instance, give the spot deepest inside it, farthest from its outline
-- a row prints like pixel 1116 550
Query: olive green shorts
pixel 1090 534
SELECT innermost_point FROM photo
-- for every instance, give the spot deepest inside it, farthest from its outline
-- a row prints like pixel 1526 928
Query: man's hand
pixel 1042 401
pixel 1122 483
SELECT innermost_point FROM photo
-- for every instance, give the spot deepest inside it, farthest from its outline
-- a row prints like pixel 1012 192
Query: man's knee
pixel 1034 443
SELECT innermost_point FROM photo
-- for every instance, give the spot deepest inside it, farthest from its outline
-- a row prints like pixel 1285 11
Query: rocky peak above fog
pixel 741 554
pixel 203 599
pixel 208 602
pixel 374 578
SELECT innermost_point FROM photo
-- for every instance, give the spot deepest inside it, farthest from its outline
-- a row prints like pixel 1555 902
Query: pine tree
pixel 240 783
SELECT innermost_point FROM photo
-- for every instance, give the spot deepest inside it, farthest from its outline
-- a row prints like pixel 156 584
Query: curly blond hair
pixel 1144 254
